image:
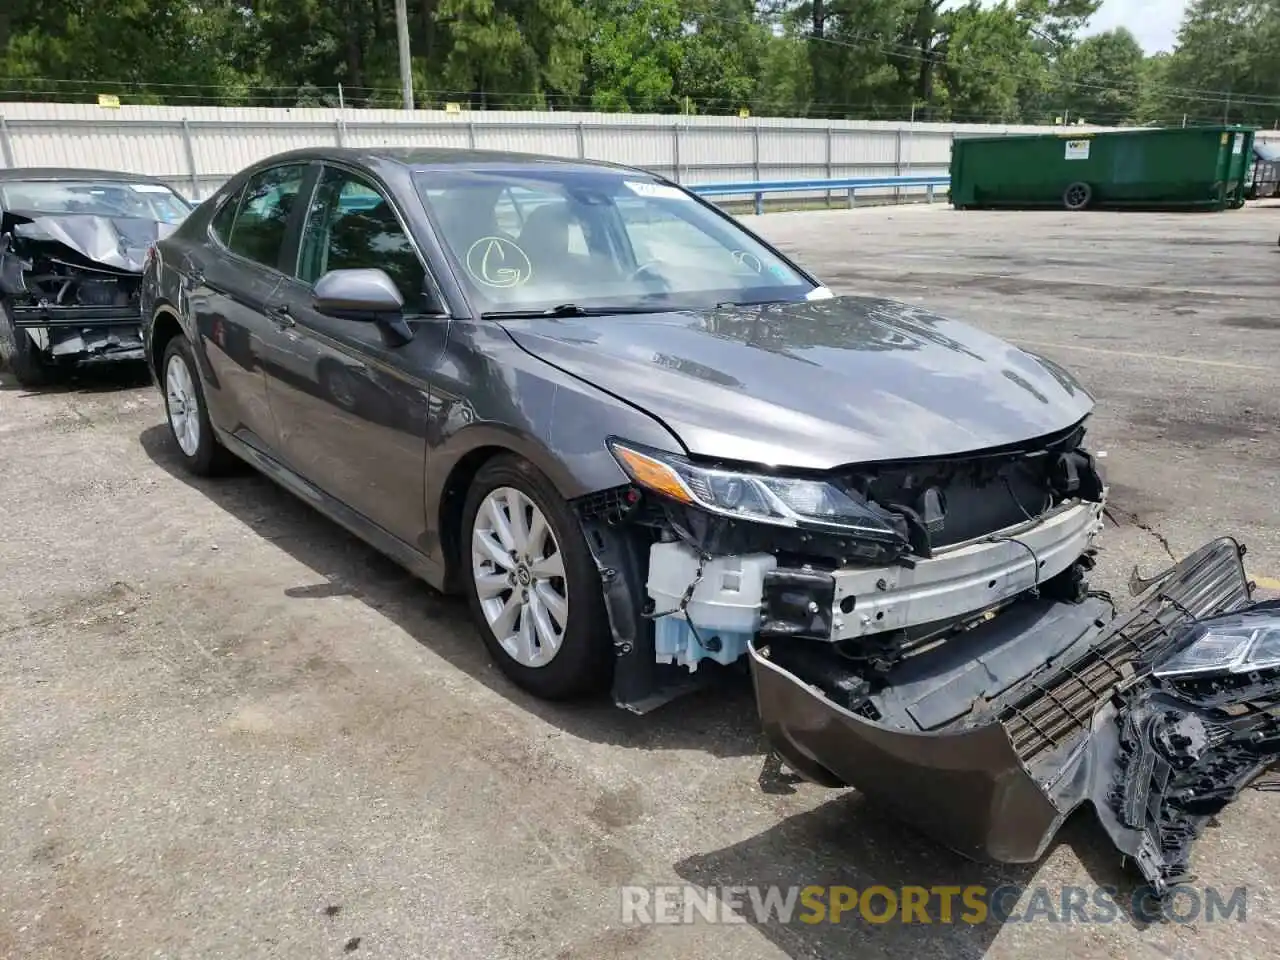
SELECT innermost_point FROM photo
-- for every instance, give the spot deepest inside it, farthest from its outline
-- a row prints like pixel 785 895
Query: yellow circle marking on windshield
pixel 497 262
pixel 749 260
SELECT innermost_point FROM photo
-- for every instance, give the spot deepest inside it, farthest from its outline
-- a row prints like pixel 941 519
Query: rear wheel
pixel 187 414
pixel 531 583
pixel 1077 196
pixel 20 354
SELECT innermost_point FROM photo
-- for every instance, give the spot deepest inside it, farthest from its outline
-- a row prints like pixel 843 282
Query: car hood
pixel 117 242
pixel 815 384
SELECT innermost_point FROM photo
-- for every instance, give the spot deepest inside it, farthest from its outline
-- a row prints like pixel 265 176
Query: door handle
pixel 279 315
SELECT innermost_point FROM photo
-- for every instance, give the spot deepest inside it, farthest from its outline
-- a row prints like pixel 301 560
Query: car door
pixel 229 292
pixel 352 411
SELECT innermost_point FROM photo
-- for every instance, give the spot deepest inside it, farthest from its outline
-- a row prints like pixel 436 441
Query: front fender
pixel 498 397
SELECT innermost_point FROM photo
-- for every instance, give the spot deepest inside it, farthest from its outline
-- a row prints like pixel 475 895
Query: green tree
pixel 786 77
pixel 989 58
pixel 634 55
pixel 853 51
pixel 1152 105
pixel 1227 62
pixel 1015 60
pixel 722 50
pixel 1101 78
pixel 514 52
pixel 58 47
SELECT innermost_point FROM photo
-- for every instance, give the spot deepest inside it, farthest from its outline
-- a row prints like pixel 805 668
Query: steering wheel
pixel 648 265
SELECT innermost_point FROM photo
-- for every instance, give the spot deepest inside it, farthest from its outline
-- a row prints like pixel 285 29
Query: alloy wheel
pixel 519 577
pixel 182 404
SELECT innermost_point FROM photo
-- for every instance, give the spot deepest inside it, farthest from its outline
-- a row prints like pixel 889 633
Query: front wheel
pixel 20 353
pixel 532 584
pixel 187 414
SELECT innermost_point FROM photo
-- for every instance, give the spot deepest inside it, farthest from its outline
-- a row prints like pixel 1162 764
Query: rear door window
pixel 225 218
pixel 263 221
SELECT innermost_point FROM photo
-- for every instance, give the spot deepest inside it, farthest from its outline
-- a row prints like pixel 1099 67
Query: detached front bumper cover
pixel 990 745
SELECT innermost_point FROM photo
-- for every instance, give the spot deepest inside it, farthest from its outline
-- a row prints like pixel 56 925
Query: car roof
pixel 73 173
pixel 436 157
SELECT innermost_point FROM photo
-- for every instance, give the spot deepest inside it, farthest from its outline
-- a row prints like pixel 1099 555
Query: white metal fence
pixel 196 148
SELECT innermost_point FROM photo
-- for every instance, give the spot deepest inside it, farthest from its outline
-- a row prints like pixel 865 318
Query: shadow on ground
pixel 848 842
pixel 95 378
pixel 720 720
pixel 845 841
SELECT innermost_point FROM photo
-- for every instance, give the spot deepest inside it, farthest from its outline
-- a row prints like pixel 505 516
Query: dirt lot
pixel 228 729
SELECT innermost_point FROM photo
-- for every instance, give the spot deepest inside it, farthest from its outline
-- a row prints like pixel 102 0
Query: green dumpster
pixel 1202 168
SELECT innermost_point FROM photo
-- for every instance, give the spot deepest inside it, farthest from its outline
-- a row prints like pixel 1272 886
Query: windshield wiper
pixel 564 310
pixel 747 303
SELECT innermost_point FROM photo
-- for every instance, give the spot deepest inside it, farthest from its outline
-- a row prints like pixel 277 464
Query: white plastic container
pixel 725 606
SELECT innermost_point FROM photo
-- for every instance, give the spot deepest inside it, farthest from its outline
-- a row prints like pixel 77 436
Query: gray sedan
pixel 648 447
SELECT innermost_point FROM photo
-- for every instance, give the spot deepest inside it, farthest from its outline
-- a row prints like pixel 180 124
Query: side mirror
pixel 365 295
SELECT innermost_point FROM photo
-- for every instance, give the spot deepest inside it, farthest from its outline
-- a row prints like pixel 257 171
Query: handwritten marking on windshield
pixel 497 262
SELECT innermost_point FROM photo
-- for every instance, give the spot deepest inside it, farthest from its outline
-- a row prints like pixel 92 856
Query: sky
pixel 1154 22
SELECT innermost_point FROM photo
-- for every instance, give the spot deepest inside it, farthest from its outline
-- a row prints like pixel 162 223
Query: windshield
pixel 537 240
pixel 103 198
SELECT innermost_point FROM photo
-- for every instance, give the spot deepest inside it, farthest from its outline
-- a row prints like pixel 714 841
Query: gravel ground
pixel 231 730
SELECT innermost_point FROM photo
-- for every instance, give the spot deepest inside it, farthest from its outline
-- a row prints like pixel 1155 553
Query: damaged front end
pixel 71 283
pixel 875 560
pixel 924 632
pixel 1157 718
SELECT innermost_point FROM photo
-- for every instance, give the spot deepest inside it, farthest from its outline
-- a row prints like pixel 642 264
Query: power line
pixel 262 94
pixel 875 42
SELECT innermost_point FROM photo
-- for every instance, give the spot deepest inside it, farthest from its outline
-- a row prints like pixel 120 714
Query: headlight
pixel 782 501
pixel 1239 643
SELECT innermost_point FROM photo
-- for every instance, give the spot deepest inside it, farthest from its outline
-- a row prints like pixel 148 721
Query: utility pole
pixel 402 34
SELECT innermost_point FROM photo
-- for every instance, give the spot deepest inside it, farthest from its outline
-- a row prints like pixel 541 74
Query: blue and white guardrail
pixel 759 188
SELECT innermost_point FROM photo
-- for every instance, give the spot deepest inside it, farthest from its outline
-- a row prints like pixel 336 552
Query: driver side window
pixel 351 225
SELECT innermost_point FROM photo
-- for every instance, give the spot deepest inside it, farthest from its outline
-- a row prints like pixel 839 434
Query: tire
pixel 1077 196
pixel 20 354
pixel 581 664
pixel 200 451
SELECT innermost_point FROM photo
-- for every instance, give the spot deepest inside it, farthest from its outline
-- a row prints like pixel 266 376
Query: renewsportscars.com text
pixel 973 904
